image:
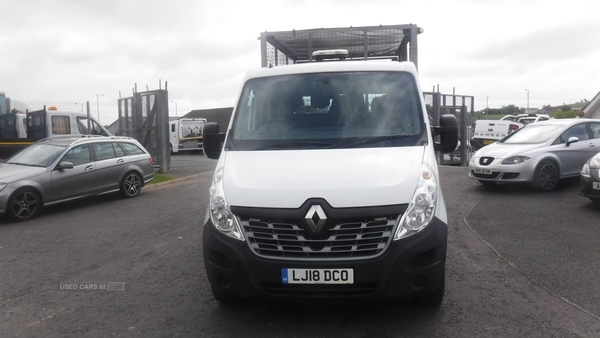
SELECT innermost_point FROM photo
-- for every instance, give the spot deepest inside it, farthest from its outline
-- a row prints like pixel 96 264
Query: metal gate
pixel 463 108
pixel 145 117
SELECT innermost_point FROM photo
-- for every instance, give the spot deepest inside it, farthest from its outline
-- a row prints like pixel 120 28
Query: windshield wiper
pixel 299 145
pixel 380 139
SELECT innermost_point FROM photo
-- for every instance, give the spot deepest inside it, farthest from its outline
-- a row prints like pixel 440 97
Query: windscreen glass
pixel 342 110
pixel 533 134
pixel 37 155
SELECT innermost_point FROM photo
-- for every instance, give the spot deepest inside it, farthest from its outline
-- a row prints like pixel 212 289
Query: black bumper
pixel 587 190
pixel 409 268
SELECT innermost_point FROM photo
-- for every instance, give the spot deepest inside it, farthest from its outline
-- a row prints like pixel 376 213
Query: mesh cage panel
pixel 363 43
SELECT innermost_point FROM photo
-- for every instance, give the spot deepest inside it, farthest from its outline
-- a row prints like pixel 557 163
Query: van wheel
pixel 24 204
pixel 546 176
pixel 131 185
pixel 435 298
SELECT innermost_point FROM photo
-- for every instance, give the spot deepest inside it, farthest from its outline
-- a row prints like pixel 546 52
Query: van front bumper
pixel 409 268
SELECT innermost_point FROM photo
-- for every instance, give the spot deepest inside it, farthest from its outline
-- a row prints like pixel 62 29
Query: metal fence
pixel 461 106
pixel 145 117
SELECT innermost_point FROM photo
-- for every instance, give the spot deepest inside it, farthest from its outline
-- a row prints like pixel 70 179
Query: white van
pixel 327 187
pixel 19 129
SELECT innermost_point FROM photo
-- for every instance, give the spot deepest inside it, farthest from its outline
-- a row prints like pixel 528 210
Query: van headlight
pixel 421 209
pixel 220 214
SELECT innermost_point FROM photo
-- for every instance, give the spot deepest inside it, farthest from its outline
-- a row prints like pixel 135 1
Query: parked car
pixel 526 118
pixel 55 170
pixel 533 118
pixel 590 179
pixel 486 132
pixel 541 153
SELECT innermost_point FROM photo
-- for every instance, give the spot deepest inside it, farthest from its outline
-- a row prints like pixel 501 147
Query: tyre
pixel 546 176
pixel 131 185
pixel 24 204
pixel 435 298
pixel 488 183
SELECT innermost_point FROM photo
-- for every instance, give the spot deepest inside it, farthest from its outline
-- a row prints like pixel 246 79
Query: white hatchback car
pixel 541 153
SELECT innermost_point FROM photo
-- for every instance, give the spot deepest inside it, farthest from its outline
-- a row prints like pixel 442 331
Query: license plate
pixel 483 171
pixel 488 141
pixel 596 185
pixel 317 276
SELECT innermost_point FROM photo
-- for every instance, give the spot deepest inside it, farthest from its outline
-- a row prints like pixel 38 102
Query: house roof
pixel 592 109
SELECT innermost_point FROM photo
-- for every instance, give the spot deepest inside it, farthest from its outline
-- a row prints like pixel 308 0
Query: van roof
pixel 334 66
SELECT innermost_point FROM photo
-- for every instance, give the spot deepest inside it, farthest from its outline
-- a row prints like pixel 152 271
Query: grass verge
pixel 158 178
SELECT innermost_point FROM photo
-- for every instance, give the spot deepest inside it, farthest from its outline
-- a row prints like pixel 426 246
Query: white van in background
pixel 185 134
pixel 20 129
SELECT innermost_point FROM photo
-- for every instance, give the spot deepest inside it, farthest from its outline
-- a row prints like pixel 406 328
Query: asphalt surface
pixel 520 264
pixel 184 167
pixel 535 234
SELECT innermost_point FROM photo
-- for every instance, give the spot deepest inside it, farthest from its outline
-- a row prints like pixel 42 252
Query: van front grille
pixel 356 238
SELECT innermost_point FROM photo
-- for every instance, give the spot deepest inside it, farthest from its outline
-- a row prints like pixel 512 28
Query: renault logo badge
pixel 315 218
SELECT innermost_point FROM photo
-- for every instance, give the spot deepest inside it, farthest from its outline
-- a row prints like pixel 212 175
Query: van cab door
pixel 174 136
pixel 36 124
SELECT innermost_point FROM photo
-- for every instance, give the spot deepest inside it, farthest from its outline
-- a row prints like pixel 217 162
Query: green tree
pixel 511 109
pixel 565 108
pixel 564 114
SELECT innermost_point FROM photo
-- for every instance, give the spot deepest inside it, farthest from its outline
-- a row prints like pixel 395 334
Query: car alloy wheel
pixel 131 185
pixel 24 205
pixel 546 176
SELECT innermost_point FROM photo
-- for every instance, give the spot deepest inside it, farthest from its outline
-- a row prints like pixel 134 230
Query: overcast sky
pixel 63 52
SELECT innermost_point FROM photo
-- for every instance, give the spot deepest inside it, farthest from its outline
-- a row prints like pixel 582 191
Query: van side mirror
pixel 448 132
pixel 212 140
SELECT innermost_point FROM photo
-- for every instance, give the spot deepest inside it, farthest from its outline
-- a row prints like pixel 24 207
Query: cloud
pixel 69 51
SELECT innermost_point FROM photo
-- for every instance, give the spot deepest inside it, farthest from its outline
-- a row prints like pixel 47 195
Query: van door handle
pixel 120 160
pixel 89 168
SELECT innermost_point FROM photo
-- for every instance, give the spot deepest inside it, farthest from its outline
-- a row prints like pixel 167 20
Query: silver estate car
pixel 541 153
pixel 56 170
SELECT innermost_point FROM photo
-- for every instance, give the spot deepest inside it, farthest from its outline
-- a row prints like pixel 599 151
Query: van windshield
pixel 333 110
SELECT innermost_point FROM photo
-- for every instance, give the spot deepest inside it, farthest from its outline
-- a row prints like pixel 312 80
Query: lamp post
pixel 175 108
pixel 527 90
pixel 98 106
pixel 487 106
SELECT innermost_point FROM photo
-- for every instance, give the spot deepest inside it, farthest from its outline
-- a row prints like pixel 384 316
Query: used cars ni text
pixel 55 170
pixel 540 154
